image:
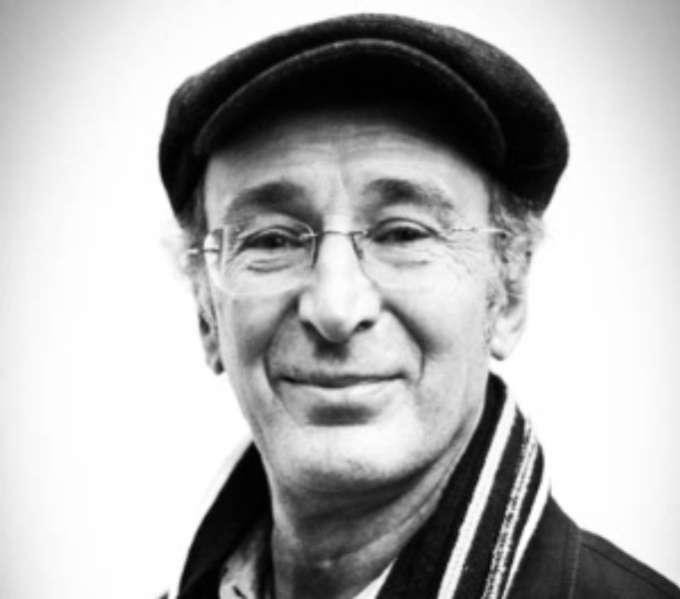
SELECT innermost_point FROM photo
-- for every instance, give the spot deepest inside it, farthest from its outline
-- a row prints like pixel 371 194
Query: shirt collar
pixel 247 572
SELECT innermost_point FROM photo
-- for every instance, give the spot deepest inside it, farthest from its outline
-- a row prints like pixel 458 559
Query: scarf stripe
pixel 475 510
pixel 480 558
pixel 504 550
pixel 506 506
pixel 530 526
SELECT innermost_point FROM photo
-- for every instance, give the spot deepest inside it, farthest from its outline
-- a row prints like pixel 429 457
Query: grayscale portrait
pixel 349 301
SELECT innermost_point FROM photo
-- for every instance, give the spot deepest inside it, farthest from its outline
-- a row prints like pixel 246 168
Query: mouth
pixel 338 398
pixel 335 380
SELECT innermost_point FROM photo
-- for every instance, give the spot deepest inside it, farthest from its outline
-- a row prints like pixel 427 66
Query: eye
pixel 401 233
pixel 272 240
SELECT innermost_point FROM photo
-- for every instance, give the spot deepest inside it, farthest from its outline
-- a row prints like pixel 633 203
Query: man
pixel 361 199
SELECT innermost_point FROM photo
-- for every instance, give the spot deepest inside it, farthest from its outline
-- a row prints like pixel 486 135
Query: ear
pixel 208 327
pixel 510 317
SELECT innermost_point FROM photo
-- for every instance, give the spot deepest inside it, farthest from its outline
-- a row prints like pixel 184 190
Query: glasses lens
pixel 401 253
pixel 262 261
pixel 406 255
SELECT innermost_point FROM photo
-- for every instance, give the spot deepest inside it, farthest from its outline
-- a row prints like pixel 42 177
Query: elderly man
pixel 361 199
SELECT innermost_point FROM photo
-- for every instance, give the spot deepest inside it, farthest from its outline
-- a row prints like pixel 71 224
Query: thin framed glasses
pixel 397 254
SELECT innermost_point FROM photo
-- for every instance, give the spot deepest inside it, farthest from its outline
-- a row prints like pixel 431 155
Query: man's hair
pixel 513 252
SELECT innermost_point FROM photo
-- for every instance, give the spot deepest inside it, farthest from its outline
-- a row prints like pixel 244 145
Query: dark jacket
pixel 565 562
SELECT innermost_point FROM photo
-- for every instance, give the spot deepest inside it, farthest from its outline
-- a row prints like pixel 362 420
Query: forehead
pixel 341 160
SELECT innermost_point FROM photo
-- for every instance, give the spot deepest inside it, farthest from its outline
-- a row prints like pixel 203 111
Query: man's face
pixel 346 385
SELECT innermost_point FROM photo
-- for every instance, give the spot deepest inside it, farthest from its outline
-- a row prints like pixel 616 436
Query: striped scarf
pixel 473 545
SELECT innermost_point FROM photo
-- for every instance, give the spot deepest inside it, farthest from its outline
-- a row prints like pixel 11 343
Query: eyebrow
pixel 270 195
pixel 395 191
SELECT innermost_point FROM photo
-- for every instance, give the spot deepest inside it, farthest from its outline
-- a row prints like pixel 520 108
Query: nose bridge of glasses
pixel 337 255
pixel 352 236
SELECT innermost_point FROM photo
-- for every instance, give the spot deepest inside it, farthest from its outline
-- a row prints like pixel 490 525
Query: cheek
pixel 247 327
pixel 447 321
pixel 454 339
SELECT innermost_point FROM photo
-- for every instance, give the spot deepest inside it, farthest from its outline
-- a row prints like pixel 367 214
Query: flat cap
pixel 495 110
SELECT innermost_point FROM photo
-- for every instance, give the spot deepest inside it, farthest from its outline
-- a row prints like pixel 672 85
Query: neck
pixel 333 546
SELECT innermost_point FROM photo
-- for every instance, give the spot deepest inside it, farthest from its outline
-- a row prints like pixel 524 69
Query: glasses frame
pixel 210 247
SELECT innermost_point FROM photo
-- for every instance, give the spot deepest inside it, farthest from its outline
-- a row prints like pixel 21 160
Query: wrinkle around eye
pixel 401 232
pixel 259 225
pixel 273 239
pixel 416 216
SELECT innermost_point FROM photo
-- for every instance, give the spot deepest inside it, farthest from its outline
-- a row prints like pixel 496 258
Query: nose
pixel 339 299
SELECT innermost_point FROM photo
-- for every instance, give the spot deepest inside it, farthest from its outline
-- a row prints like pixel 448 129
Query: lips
pixel 336 380
pixel 325 375
pixel 337 398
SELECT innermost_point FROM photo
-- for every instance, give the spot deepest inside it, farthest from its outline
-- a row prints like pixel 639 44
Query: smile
pixel 340 400
pixel 337 381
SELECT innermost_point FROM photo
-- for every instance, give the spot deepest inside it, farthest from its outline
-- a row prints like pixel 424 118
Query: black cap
pixel 495 110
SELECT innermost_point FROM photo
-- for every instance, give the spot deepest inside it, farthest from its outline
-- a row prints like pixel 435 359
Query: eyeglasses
pixel 276 258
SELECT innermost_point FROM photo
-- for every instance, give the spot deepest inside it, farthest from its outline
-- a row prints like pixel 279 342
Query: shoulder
pixel 564 562
pixel 607 571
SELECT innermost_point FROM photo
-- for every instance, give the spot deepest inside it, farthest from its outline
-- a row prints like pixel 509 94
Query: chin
pixel 352 460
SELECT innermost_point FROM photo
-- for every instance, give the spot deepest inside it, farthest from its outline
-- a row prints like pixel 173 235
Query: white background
pixel 110 424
